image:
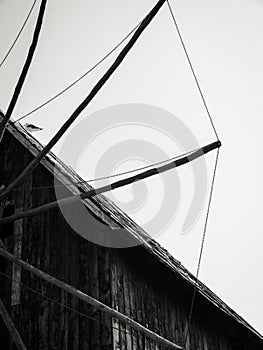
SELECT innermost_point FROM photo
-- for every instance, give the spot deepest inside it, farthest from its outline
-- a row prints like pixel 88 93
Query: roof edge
pixel 116 219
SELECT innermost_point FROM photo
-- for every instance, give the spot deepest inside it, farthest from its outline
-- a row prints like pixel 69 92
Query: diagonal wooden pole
pixel 14 335
pixel 25 69
pixel 144 175
pixel 31 166
pixel 2 244
pixel 94 302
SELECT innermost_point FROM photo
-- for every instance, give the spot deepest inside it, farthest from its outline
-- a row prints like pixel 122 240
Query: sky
pixel 224 41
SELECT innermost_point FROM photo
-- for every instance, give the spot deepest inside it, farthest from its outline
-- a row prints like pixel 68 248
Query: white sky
pixel 224 40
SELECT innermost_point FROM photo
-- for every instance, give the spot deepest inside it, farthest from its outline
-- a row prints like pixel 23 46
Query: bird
pixel 32 127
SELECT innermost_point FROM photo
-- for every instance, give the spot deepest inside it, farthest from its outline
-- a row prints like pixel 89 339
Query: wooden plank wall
pixel 62 253
pixel 46 317
pixel 129 280
pixel 146 293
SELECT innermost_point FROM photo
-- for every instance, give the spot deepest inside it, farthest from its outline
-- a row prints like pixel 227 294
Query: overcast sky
pixel 224 40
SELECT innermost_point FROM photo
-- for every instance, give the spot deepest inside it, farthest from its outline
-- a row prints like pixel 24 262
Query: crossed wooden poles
pixel 31 166
pixel 100 306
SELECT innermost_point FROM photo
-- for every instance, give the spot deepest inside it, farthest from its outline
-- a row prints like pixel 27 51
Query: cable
pixel 214 174
pixel 19 33
pixel 81 77
pixel 86 101
pixel 192 69
pixel 117 184
pixel 201 249
pixel 111 176
pixel 25 69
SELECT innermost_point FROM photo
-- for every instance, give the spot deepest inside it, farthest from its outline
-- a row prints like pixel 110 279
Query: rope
pixel 214 174
pixel 25 69
pixel 86 101
pixel 117 184
pixel 192 69
pixel 111 176
pixel 201 249
pixel 81 77
pixel 18 35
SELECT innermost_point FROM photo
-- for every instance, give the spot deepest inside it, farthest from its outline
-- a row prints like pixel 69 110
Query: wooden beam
pixel 25 69
pixel 11 327
pixel 2 244
pixel 8 320
pixel 16 269
pixel 31 166
pixel 100 306
pixel 144 175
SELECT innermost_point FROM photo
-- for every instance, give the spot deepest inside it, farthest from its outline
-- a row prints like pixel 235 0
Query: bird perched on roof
pixel 32 127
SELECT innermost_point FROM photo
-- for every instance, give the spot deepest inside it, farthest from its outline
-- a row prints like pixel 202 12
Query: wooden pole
pixel 11 327
pixel 100 306
pixel 8 320
pixel 25 69
pixel 70 200
pixel 31 166
pixel 2 244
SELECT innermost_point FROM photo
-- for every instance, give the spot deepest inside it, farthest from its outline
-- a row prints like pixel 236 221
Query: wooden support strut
pixel 25 69
pixel 144 175
pixel 8 320
pixel 100 306
pixel 11 327
pixel 31 166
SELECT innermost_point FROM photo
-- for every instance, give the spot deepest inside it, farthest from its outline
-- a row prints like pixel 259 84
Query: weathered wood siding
pixel 148 293
pixel 130 280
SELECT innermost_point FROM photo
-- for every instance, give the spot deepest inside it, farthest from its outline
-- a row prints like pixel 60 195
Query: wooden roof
pixel 116 219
